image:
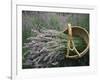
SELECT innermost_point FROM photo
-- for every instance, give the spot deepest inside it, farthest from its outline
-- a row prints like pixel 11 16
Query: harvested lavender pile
pixel 47 49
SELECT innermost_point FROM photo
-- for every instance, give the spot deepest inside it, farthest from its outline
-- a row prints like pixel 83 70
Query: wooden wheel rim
pixel 81 32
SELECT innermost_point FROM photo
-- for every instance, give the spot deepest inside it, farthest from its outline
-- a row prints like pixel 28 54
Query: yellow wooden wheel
pixel 76 31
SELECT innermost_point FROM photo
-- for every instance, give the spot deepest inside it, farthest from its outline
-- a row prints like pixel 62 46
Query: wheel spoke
pixel 67 55
pixel 77 52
